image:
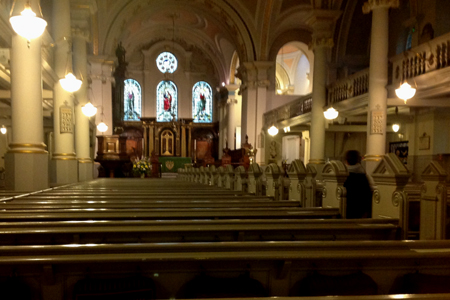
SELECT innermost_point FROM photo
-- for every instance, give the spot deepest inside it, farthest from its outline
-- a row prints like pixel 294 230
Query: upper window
pixel 166 101
pixel 167 62
pixel 202 102
pixel 132 100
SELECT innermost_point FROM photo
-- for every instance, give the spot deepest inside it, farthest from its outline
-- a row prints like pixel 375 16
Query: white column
pixel 317 130
pixel 26 162
pixel 322 22
pixel 85 162
pixel 234 114
pixel 378 79
pixel 63 166
pixel 254 99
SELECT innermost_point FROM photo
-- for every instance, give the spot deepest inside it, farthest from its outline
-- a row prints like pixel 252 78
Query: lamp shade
pixel 70 83
pixel 102 127
pixel 405 92
pixel 273 130
pixel 89 110
pixel 331 114
pixel 27 24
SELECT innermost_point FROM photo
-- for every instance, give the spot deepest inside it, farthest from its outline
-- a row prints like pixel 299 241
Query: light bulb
pixel 3 129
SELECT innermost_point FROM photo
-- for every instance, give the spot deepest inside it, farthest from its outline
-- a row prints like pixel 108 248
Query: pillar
pixel 378 79
pixel 85 162
pixel 254 76
pixel 234 114
pixel 64 164
pixel 26 161
pixel 322 22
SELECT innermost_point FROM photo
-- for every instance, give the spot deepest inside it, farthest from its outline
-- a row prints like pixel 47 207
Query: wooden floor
pixel 172 232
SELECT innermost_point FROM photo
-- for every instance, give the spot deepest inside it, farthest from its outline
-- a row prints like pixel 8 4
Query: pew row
pixel 277 266
pixel 105 231
pixel 155 214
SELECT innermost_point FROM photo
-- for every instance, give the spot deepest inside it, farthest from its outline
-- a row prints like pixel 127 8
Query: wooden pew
pixel 159 231
pixel 155 214
pixel 276 265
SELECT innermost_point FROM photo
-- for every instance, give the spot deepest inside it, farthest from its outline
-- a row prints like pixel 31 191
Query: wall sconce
pixel 27 24
pixel 3 129
pixel 287 129
pixel 273 131
pixel 331 113
pixel 405 92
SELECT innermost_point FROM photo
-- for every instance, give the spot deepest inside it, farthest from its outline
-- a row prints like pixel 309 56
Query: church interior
pixel 197 149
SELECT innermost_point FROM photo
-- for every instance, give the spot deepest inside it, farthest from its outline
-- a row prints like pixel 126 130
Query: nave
pixel 167 238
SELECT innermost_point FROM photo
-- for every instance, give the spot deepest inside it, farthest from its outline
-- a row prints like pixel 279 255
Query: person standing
pixel 359 192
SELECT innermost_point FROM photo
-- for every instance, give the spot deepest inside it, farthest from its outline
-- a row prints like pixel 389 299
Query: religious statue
pixel 120 53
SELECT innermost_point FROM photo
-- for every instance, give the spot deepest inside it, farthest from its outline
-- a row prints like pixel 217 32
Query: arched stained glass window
pixel 166 101
pixel 167 62
pixel 202 102
pixel 132 100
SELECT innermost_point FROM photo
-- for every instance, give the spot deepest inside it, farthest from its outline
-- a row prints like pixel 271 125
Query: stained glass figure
pixel 167 62
pixel 132 100
pixel 202 102
pixel 167 101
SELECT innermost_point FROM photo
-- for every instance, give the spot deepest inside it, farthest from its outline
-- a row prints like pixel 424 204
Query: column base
pixel 85 170
pixel 26 171
pixel 63 171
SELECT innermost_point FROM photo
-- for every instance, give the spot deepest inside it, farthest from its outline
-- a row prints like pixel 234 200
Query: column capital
pixel 80 33
pixel 374 4
pixel 322 42
pixel 254 74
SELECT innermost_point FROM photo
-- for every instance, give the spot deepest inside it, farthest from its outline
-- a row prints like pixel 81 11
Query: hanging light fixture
pixel 27 24
pixel 88 109
pixel 102 127
pixel 331 113
pixel 273 131
pixel 395 127
pixel 405 92
pixel 3 129
pixel 70 83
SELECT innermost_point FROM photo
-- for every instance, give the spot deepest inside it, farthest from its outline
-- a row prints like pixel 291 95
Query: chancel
pixel 163 172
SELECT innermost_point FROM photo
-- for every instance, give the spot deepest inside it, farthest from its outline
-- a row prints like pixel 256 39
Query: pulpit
pixel 112 154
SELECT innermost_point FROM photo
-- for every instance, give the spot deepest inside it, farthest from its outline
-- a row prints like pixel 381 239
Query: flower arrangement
pixel 142 166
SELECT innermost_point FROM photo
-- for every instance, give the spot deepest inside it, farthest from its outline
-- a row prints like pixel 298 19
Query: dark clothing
pixel 359 196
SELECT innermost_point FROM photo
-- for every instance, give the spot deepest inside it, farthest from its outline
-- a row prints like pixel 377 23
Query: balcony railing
pixel 427 57
pixel 352 86
pixel 293 109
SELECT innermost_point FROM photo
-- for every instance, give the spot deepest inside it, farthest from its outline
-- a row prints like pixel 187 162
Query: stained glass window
pixel 167 62
pixel 202 102
pixel 132 100
pixel 167 101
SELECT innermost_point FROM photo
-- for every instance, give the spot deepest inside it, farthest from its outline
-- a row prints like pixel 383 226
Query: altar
pixel 172 164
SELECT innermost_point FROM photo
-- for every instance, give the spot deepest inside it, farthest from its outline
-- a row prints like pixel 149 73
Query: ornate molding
pixel 322 42
pixel 374 4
